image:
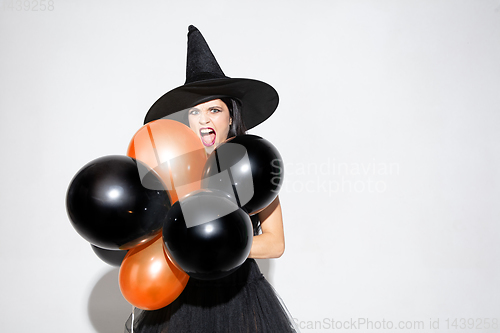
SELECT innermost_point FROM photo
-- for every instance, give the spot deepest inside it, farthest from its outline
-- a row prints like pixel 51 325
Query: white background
pixel 388 124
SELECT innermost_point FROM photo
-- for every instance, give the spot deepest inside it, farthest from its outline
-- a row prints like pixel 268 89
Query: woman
pixel 216 108
pixel 213 122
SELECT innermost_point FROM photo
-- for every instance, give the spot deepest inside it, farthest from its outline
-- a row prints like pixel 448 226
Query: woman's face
pixel 210 121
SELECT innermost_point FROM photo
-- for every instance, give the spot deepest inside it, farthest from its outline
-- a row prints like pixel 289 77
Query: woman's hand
pixel 271 243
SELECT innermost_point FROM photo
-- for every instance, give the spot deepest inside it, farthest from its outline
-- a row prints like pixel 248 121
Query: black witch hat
pixel 206 81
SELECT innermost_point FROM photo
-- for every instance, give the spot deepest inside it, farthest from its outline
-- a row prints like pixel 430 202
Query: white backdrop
pixel 388 125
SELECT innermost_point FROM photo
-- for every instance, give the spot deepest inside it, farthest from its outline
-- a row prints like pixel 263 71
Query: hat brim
pixel 259 100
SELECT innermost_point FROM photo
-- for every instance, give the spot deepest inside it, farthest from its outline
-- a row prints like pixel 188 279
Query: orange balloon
pixel 148 279
pixel 174 151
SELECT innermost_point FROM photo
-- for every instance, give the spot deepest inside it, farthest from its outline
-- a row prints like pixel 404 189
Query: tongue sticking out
pixel 208 139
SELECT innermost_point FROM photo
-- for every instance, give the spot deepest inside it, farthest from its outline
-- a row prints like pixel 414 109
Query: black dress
pixel 243 302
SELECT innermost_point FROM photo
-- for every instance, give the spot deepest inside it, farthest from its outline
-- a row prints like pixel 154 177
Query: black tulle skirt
pixel 243 302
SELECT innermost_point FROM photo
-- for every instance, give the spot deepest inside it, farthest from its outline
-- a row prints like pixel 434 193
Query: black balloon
pixel 247 167
pixel 207 235
pixel 110 257
pixel 111 207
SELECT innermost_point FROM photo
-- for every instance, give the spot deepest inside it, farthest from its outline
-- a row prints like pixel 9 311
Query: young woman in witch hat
pixel 216 108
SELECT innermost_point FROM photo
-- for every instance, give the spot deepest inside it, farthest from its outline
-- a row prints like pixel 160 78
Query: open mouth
pixel 207 136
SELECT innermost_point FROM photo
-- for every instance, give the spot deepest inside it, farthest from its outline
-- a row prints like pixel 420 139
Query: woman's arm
pixel 271 243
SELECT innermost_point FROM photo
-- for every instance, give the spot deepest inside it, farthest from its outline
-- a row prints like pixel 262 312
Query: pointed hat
pixel 205 81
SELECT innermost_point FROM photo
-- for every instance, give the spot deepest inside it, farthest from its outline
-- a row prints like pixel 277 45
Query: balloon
pixel 110 257
pixel 109 206
pixel 174 151
pixel 207 235
pixel 148 280
pixel 247 167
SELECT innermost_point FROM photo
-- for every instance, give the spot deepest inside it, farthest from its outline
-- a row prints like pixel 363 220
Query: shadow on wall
pixel 107 308
pixel 266 267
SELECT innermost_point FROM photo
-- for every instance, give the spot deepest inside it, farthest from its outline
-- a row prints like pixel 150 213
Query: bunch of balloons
pixel 165 212
pixel 209 232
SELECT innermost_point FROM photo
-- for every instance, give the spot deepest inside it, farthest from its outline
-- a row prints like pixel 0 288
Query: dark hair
pixel 237 126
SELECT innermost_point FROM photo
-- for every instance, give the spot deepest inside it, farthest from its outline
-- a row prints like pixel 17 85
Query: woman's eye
pixel 215 110
pixel 193 112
